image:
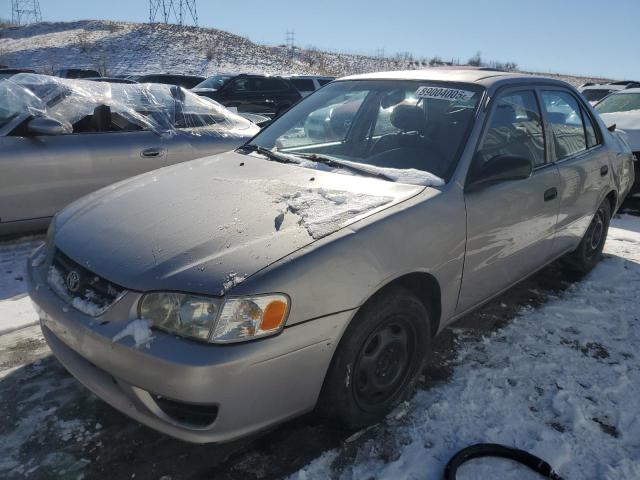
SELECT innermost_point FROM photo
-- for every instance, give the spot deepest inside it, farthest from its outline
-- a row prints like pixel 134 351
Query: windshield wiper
pixel 337 163
pixel 270 154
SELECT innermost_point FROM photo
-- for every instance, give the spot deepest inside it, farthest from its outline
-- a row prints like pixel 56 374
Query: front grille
pixel 637 155
pixel 86 291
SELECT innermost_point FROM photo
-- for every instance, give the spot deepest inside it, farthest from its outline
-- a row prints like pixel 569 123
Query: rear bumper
pixel 244 387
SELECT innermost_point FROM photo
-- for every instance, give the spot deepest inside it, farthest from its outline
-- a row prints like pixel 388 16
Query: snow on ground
pixel 16 310
pixel 562 381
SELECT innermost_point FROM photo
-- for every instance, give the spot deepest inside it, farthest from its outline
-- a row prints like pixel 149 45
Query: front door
pixel 510 225
pixel 42 174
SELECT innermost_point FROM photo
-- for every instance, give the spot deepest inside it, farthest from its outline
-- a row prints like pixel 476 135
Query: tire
pixel 378 360
pixel 589 252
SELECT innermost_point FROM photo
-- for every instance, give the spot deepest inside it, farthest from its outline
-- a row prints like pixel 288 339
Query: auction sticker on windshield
pixel 453 94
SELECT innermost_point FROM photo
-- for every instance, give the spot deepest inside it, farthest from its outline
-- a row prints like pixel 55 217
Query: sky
pixel 585 37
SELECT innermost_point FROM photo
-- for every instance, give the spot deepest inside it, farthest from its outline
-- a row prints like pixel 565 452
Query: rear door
pixel 510 225
pixel 582 161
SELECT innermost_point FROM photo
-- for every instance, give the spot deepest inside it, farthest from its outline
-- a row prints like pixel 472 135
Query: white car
pixel 595 93
pixel 307 84
pixel 622 109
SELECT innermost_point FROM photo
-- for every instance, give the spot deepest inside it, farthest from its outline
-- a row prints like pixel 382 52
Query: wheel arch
pixel 424 286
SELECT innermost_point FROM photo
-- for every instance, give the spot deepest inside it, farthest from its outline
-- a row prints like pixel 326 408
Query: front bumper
pixel 248 386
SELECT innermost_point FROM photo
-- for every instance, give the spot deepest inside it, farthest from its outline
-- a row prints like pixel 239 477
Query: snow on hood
pixel 629 122
pixel 206 225
pixel 322 211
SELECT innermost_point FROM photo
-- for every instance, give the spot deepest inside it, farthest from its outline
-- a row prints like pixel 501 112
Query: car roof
pixel 627 90
pixel 449 74
pixel 605 86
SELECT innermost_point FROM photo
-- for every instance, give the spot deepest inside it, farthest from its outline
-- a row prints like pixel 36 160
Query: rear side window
pixel 565 119
pixel 303 84
pixel 324 81
pixel 270 84
pixel 515 129
pixel 589 129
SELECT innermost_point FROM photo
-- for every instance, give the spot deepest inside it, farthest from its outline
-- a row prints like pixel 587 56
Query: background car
pixel 596 92
pixel 622 109
pixel 184 81
pixel 307 84
pixel 111 80
pixel 250 93
pixel 10 72
pixel 77 73
pixel 61 139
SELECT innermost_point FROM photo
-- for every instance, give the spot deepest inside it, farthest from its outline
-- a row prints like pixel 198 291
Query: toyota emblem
pixel 73 281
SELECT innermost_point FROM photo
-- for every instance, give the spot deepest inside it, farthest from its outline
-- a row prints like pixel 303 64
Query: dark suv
pixel 261 94
pixel 184 81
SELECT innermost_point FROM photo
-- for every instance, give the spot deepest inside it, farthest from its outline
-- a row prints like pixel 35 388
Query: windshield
pixel 380 124
pixel 595 95
pixel 619 102
pixel 216 82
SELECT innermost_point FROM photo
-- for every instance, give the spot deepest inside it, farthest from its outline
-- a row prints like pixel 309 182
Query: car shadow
pixel 55 428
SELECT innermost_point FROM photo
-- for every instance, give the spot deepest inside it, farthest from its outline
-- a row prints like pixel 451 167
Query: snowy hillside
pixel 131 48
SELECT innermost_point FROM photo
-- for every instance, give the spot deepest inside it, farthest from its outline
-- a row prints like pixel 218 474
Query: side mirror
pixel 46 126
pixel 500 169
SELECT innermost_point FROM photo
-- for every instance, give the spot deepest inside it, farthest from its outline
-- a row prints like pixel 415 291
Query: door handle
pixel 604 170
pixel 151 152
pixel 550 194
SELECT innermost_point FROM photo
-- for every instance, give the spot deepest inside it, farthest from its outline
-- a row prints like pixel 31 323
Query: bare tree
pixel 476 60
pixel 83 42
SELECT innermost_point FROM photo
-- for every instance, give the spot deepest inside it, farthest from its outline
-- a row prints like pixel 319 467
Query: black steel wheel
pixel 378 359
pixel 589 252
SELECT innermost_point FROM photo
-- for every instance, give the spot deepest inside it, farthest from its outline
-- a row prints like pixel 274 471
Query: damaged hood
pixel 628 122
pixel 205 225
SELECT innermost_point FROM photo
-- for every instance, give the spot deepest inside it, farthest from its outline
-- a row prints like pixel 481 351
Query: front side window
pixel 384 124
pixel 303 84
pixel 515 128
pixel 269 84
pixel 619 102
pixel 216 82
pixel 242 84
pixel 565 120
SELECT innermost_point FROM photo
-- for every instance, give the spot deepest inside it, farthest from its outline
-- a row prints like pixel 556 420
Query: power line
pixel 173 11
pixel 25 11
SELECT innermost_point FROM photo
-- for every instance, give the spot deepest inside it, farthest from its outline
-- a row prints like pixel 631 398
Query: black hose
pixel 495 450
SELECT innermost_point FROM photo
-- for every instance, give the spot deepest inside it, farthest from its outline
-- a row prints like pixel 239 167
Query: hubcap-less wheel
pixel 595 234
pixel 383 362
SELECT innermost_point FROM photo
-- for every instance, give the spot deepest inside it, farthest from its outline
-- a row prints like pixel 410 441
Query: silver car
pixel 213 299
pixel 61 139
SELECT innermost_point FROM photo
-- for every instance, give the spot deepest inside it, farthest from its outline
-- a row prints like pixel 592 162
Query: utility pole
pixel 173 11
pixel 25 11
pixel 291 39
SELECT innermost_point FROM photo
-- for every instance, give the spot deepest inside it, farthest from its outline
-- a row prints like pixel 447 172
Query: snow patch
pixel 139 329
pixel 323 211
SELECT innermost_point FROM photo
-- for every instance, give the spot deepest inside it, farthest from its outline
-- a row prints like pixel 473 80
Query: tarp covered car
pixel 61 139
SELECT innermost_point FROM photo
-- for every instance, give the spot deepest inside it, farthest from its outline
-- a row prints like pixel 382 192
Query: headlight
pixel 215 320
pixel 186 315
